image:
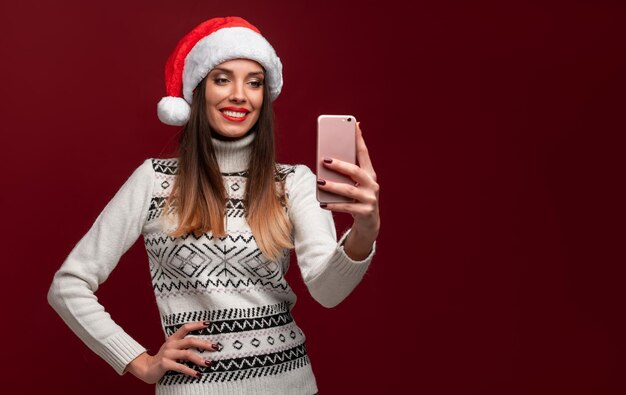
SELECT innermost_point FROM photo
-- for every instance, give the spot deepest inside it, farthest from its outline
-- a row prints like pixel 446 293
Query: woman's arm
pixel 91 261
pixel 328 271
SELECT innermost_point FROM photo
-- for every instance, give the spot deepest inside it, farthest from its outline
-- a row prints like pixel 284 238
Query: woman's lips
pixel 234 119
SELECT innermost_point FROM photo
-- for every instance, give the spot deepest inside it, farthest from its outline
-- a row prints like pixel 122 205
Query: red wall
pixel 494 126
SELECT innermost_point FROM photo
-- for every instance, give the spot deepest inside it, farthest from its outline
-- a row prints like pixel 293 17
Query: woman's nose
pixel 238 93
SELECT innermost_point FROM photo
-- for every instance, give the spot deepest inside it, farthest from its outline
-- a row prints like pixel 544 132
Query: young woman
pixel 218 221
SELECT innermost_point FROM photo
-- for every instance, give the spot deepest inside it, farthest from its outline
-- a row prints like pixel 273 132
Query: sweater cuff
pixel 119 350
pixel 348 266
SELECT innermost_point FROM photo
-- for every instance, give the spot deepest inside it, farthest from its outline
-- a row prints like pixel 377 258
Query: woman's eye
pixel 220 80
pixel 256 84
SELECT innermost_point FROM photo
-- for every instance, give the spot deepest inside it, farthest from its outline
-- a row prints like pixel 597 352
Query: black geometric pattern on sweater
pixel 252 263
pixel 165 166
pixel 157 203
pixel 226 314
pixel 210 283
pixel 205 265
pixel 239 325
pixel 282 171
pixel 242 368
pixel 234 208
pixel 169 167
pixel 243 173
pixel 236 325
pixel 234 204
pixel 156 206
pixel 155 241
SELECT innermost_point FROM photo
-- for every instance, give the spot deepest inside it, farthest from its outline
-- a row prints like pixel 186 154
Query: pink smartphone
pixel 336 138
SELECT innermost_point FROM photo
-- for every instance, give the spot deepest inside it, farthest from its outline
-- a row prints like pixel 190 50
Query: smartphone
pixel 336 138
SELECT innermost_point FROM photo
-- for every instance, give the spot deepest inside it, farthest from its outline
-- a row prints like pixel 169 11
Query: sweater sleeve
pixel 91 261
pixel 328 272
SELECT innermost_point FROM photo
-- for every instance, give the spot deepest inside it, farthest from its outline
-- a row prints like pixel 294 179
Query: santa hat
pixel 207 45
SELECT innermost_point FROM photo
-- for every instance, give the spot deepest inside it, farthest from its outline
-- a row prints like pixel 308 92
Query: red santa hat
pixel 207 45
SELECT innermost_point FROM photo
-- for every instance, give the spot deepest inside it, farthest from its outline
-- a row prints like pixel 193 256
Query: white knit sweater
pixel 226 281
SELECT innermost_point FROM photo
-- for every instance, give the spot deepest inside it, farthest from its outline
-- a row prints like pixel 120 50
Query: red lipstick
pixel 237 109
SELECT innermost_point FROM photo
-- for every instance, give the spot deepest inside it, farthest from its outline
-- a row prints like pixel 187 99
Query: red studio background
pixel 495 130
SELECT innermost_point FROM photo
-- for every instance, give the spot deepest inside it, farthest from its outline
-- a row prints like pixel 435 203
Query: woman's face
pixel 233 96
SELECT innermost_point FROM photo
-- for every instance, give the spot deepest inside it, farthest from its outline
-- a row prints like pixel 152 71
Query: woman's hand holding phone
pixel 364 193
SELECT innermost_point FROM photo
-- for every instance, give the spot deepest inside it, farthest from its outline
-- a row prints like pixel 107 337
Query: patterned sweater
pixel 226 281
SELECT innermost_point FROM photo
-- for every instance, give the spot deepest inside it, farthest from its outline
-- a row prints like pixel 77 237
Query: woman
pixel 218 221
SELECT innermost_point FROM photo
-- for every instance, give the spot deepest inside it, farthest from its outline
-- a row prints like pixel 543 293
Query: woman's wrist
pixel 358 245
pixel 138 365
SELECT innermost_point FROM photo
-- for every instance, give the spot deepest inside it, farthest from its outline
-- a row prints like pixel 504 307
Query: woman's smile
pixel 235 114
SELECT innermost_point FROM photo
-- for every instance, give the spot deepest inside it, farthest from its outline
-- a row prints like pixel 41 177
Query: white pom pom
pixel 173 111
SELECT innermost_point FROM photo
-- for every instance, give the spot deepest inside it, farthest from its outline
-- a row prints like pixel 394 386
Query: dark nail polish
pixel 198 374
pixel 321 182
pixel 206 323
pixel 323 205
pixel 328 160
pixel 217 347
pixel 207 362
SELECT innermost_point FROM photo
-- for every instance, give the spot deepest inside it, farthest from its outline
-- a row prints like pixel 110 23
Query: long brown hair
pixel 198 194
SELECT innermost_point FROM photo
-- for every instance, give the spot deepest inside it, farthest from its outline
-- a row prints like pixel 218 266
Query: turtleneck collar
pixel 233 156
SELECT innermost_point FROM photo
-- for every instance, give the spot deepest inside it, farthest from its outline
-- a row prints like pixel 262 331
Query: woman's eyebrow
pixel 260 72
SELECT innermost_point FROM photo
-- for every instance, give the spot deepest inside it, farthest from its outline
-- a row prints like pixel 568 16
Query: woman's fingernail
pixel 321 182
pixel 328 160
pixel 323 205
pixel 206 323
pixel 207 362
pixel 217 347
pixel 198 374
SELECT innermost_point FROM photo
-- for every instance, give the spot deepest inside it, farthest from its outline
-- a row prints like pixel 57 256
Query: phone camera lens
pixel 349 119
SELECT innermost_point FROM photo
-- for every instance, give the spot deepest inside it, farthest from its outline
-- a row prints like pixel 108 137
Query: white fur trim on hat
pixel 227 44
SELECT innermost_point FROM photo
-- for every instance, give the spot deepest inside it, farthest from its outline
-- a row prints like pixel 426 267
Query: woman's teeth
pixel 235 114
